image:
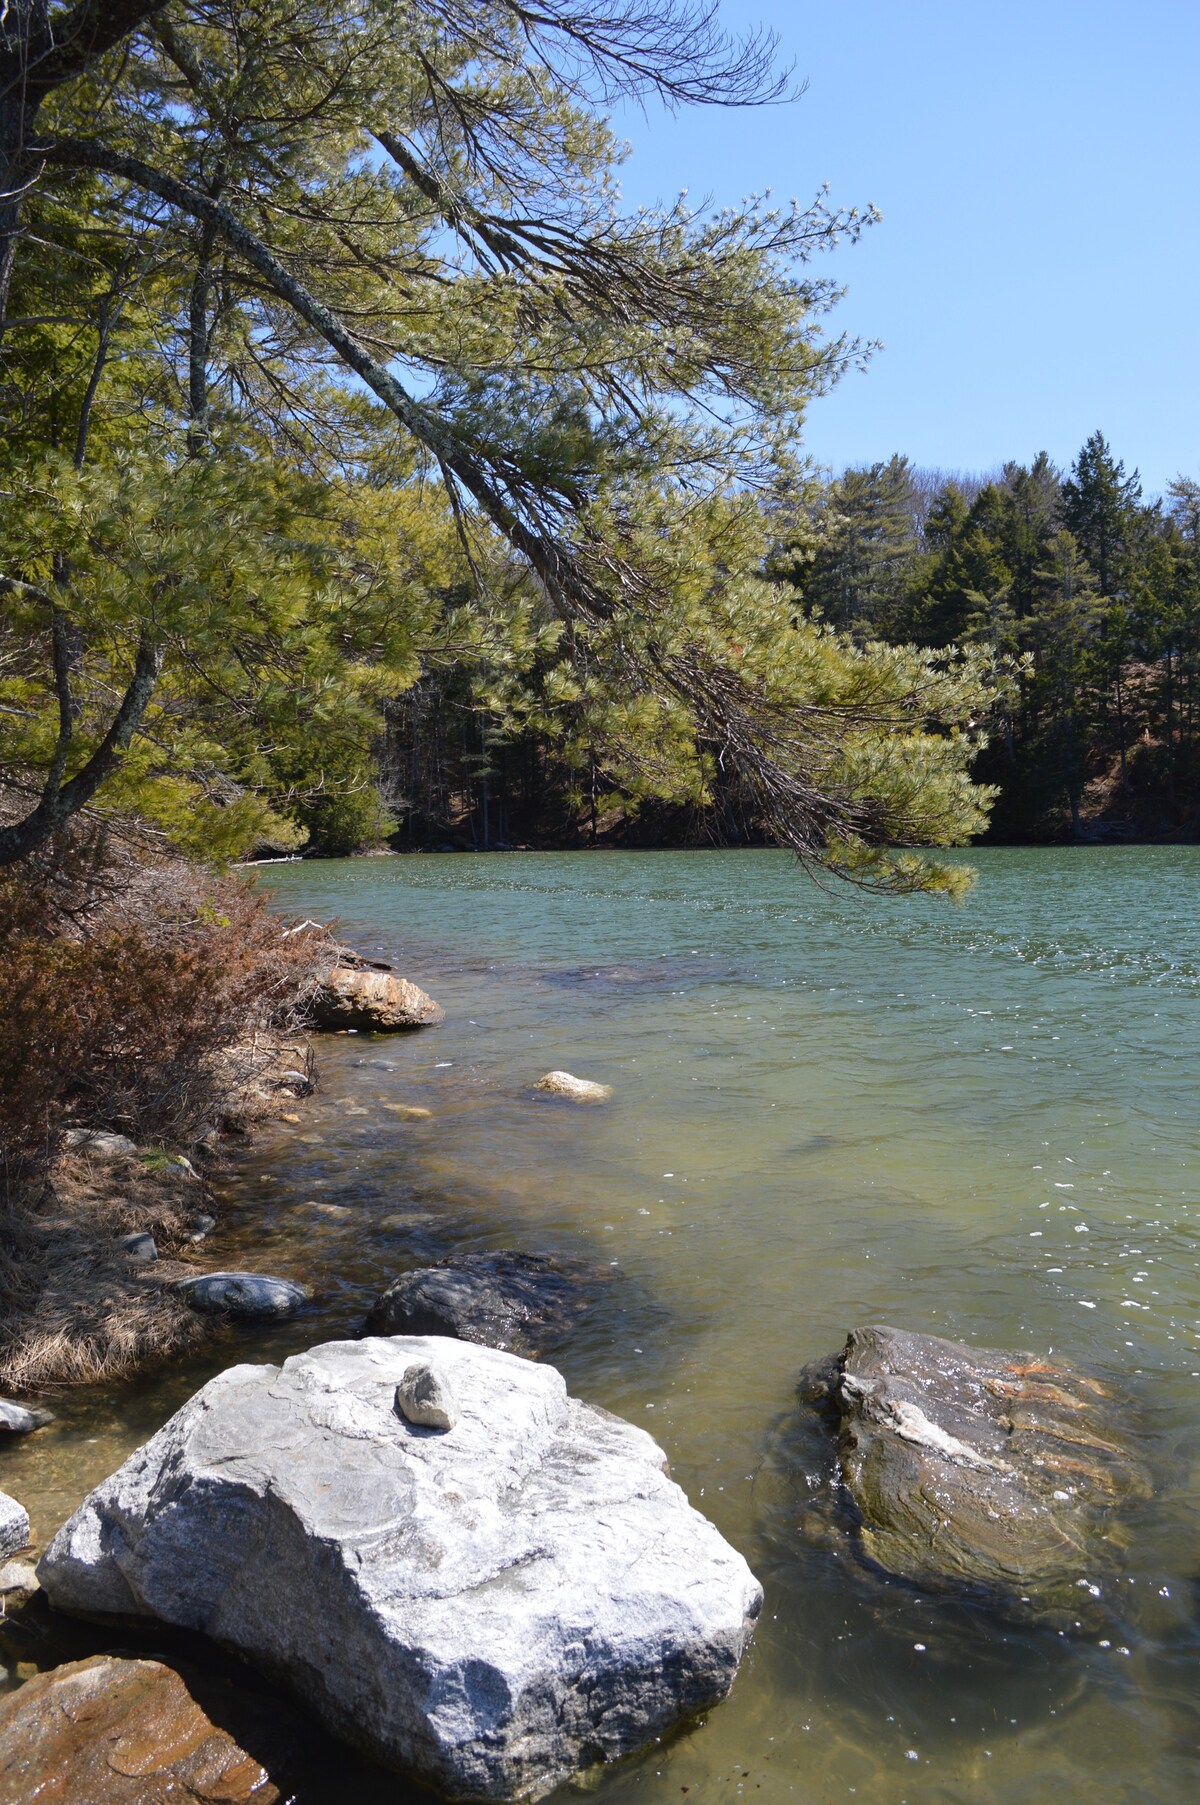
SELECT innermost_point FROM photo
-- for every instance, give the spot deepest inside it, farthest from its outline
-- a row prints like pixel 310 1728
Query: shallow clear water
pixel 828 1110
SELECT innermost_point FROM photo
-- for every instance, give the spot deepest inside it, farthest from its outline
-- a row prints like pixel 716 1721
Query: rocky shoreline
pixel 473 1577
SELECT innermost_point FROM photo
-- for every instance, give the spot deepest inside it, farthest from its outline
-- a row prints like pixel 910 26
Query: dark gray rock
pixel 139 1248
pixel 19 1419
pixel 200 1226
pixel 972 1469
pixel 527 1303
pixel 493 1610
pixel 246 1295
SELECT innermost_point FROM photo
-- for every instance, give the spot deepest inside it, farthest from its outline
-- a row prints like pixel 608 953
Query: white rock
pixel 492 1610
pixel 14 1526
pixel 424 1398
pixel 575 1090
pixel 97 1144
pixel 20 1577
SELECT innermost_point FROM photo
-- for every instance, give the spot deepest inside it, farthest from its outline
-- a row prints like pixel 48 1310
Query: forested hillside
pixel 1089 592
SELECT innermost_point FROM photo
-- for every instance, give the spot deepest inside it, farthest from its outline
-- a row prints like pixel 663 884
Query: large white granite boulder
pixel 491 1607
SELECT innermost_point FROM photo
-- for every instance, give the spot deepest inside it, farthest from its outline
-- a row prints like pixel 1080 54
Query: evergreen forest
pixel 1087 592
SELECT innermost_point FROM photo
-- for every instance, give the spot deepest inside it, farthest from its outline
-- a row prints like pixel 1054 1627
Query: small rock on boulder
pixel 244 1295
pixel 491 1610
pixel 19 1419
pixel 374 1001
pixel 14 1526
pixel 118 1732
pixel 572 1089
pixel 424 1398
pixel 974 1469
pixel 526 1303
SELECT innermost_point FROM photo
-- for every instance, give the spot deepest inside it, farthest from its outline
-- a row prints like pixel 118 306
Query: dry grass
pixel 75 1310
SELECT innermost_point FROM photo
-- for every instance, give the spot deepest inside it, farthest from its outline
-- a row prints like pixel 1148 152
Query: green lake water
pixel 828 1110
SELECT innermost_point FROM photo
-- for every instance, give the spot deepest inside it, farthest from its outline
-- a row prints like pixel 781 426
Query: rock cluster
pixel 492 1608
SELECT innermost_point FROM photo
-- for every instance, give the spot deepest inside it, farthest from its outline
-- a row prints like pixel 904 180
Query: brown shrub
pixel 145 996
pixel 123 987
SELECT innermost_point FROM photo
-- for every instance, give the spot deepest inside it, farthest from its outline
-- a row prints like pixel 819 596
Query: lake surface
pixel 828 1110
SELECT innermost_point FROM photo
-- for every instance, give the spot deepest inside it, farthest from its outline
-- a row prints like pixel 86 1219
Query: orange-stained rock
pixel 110 1731
pixel 351 997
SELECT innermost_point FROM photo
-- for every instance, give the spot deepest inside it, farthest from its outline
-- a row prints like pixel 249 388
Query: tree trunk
pixel 36 58
pixel 24 30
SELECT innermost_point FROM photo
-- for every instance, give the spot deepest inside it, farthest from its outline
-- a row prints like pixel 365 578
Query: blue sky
pixel 1037 271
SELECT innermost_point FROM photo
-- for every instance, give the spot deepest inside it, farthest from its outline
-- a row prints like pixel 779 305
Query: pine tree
pixel 1099 507
pixel 863 550
pixel 388 238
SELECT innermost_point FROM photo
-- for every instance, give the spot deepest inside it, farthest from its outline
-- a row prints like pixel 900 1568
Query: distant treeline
pixel 1088 588
pixel 1094 588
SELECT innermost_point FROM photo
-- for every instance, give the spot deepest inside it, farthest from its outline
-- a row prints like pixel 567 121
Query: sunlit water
pixel 828 1110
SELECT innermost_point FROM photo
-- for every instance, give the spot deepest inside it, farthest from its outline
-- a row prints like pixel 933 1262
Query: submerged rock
pixel 974 1469
pixel 241 1294
pixel 108 1731
pixel 374 1000
pixel 14 1526
pixel 526 1303
pixel 19 1419
pixel 491 1610
pixel 572 1089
